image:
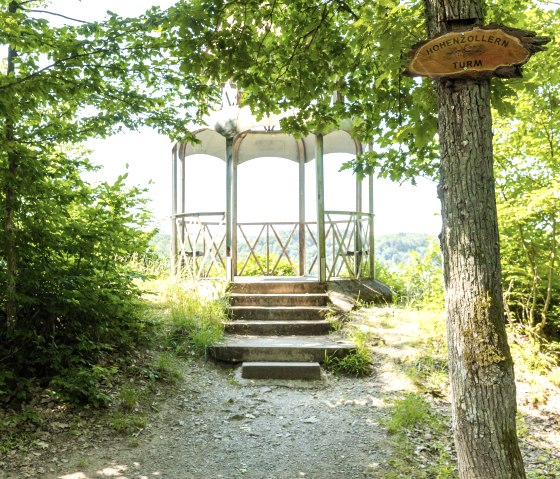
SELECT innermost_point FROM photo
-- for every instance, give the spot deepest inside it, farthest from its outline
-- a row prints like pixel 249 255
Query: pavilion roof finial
pixel 230 95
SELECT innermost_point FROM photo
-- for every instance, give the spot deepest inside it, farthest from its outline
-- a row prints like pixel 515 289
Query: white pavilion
pixel 213 244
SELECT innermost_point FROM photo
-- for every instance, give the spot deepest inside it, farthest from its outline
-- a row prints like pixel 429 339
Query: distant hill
pixel 395 248
pixel 162 244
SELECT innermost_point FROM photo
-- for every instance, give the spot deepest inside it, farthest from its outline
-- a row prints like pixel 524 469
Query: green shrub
pixel 82 385
pixel 419 282
pixel 77 294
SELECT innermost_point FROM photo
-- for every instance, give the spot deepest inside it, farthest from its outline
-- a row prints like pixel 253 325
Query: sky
pixel 267 187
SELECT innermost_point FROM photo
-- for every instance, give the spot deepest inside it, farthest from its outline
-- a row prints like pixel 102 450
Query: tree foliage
pixel 66 286
pixel 293 56
pixel 528 177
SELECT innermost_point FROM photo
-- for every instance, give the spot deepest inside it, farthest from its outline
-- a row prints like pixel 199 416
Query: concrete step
pixel 279 348
pixel 280 370
pixel 279 328
pixel 300 299
pixel 275 286
pixel 278 313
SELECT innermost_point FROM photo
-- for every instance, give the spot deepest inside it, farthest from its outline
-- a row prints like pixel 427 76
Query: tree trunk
pixel 9 206
pixel 481 368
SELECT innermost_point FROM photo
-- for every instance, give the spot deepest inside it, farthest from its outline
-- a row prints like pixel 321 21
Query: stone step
pixel 278 313
pixel 279 328
pixel 273 286
pixel 298 299
pixel 280 370
pixel 279 348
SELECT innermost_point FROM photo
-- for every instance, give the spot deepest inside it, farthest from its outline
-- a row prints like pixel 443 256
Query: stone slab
pixel 267 285
pixel 296 299
pixel 279 328
pixel 279 313
pixel 281 370
pixel 238 349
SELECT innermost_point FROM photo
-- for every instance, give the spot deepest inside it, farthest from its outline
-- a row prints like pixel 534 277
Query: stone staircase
pixel 278 329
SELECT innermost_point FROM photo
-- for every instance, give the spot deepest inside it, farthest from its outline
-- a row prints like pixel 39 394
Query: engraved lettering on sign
pixel 474 52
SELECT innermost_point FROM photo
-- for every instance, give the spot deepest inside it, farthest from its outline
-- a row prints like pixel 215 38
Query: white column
pixel 301 208
pixel 322 253
pixel 371 224
pixel 174 210
pixel 235 160
pixel 229 208
pixel 182 186
pixel 358 247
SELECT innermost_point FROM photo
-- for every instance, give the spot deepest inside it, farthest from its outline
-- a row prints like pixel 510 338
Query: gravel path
pixel 219 426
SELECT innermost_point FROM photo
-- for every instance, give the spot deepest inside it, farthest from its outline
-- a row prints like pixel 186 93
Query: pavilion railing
pixel 200 245
pixel 264 249
pixel 348 244
pixel 274 248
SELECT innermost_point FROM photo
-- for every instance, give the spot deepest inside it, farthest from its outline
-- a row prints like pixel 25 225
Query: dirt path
pixel 218 427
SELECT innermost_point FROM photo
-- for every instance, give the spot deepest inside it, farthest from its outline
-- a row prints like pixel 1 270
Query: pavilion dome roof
pixel 259 138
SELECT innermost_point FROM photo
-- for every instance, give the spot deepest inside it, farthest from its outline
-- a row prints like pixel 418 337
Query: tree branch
pixel 56 15
pixel 344 6
pixel 51 66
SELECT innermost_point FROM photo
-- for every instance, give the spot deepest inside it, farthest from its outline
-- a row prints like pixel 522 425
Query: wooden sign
pixel 476 53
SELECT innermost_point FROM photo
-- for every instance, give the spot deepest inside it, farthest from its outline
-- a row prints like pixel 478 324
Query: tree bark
pixel 9 206
pixel 480 363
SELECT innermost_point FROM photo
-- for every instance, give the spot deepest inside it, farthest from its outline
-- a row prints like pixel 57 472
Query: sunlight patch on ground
pixel 114 471
pixel 75 475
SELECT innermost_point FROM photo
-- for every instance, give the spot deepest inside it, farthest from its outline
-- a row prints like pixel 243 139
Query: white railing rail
pixel 273 248
pixel 348 244
pixel 200 244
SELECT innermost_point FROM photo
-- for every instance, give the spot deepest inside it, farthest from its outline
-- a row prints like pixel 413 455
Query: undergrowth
pixel 358 362
pixel 191 321
pixel 180 321
pixel 419 430
pixel 420 439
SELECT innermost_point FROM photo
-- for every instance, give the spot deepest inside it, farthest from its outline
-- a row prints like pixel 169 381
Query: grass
pixel 182 321
pixel 15 429
pixel 408 412
pixel 358 362
pixel 554 376
pixel 127 423
pixel 167 368
pixel 129 397
pixel 420 440
pixel 191 321
pixel 188 319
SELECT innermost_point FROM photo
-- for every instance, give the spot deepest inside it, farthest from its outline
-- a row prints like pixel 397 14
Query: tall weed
pixel 194 320
pixel 358 362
